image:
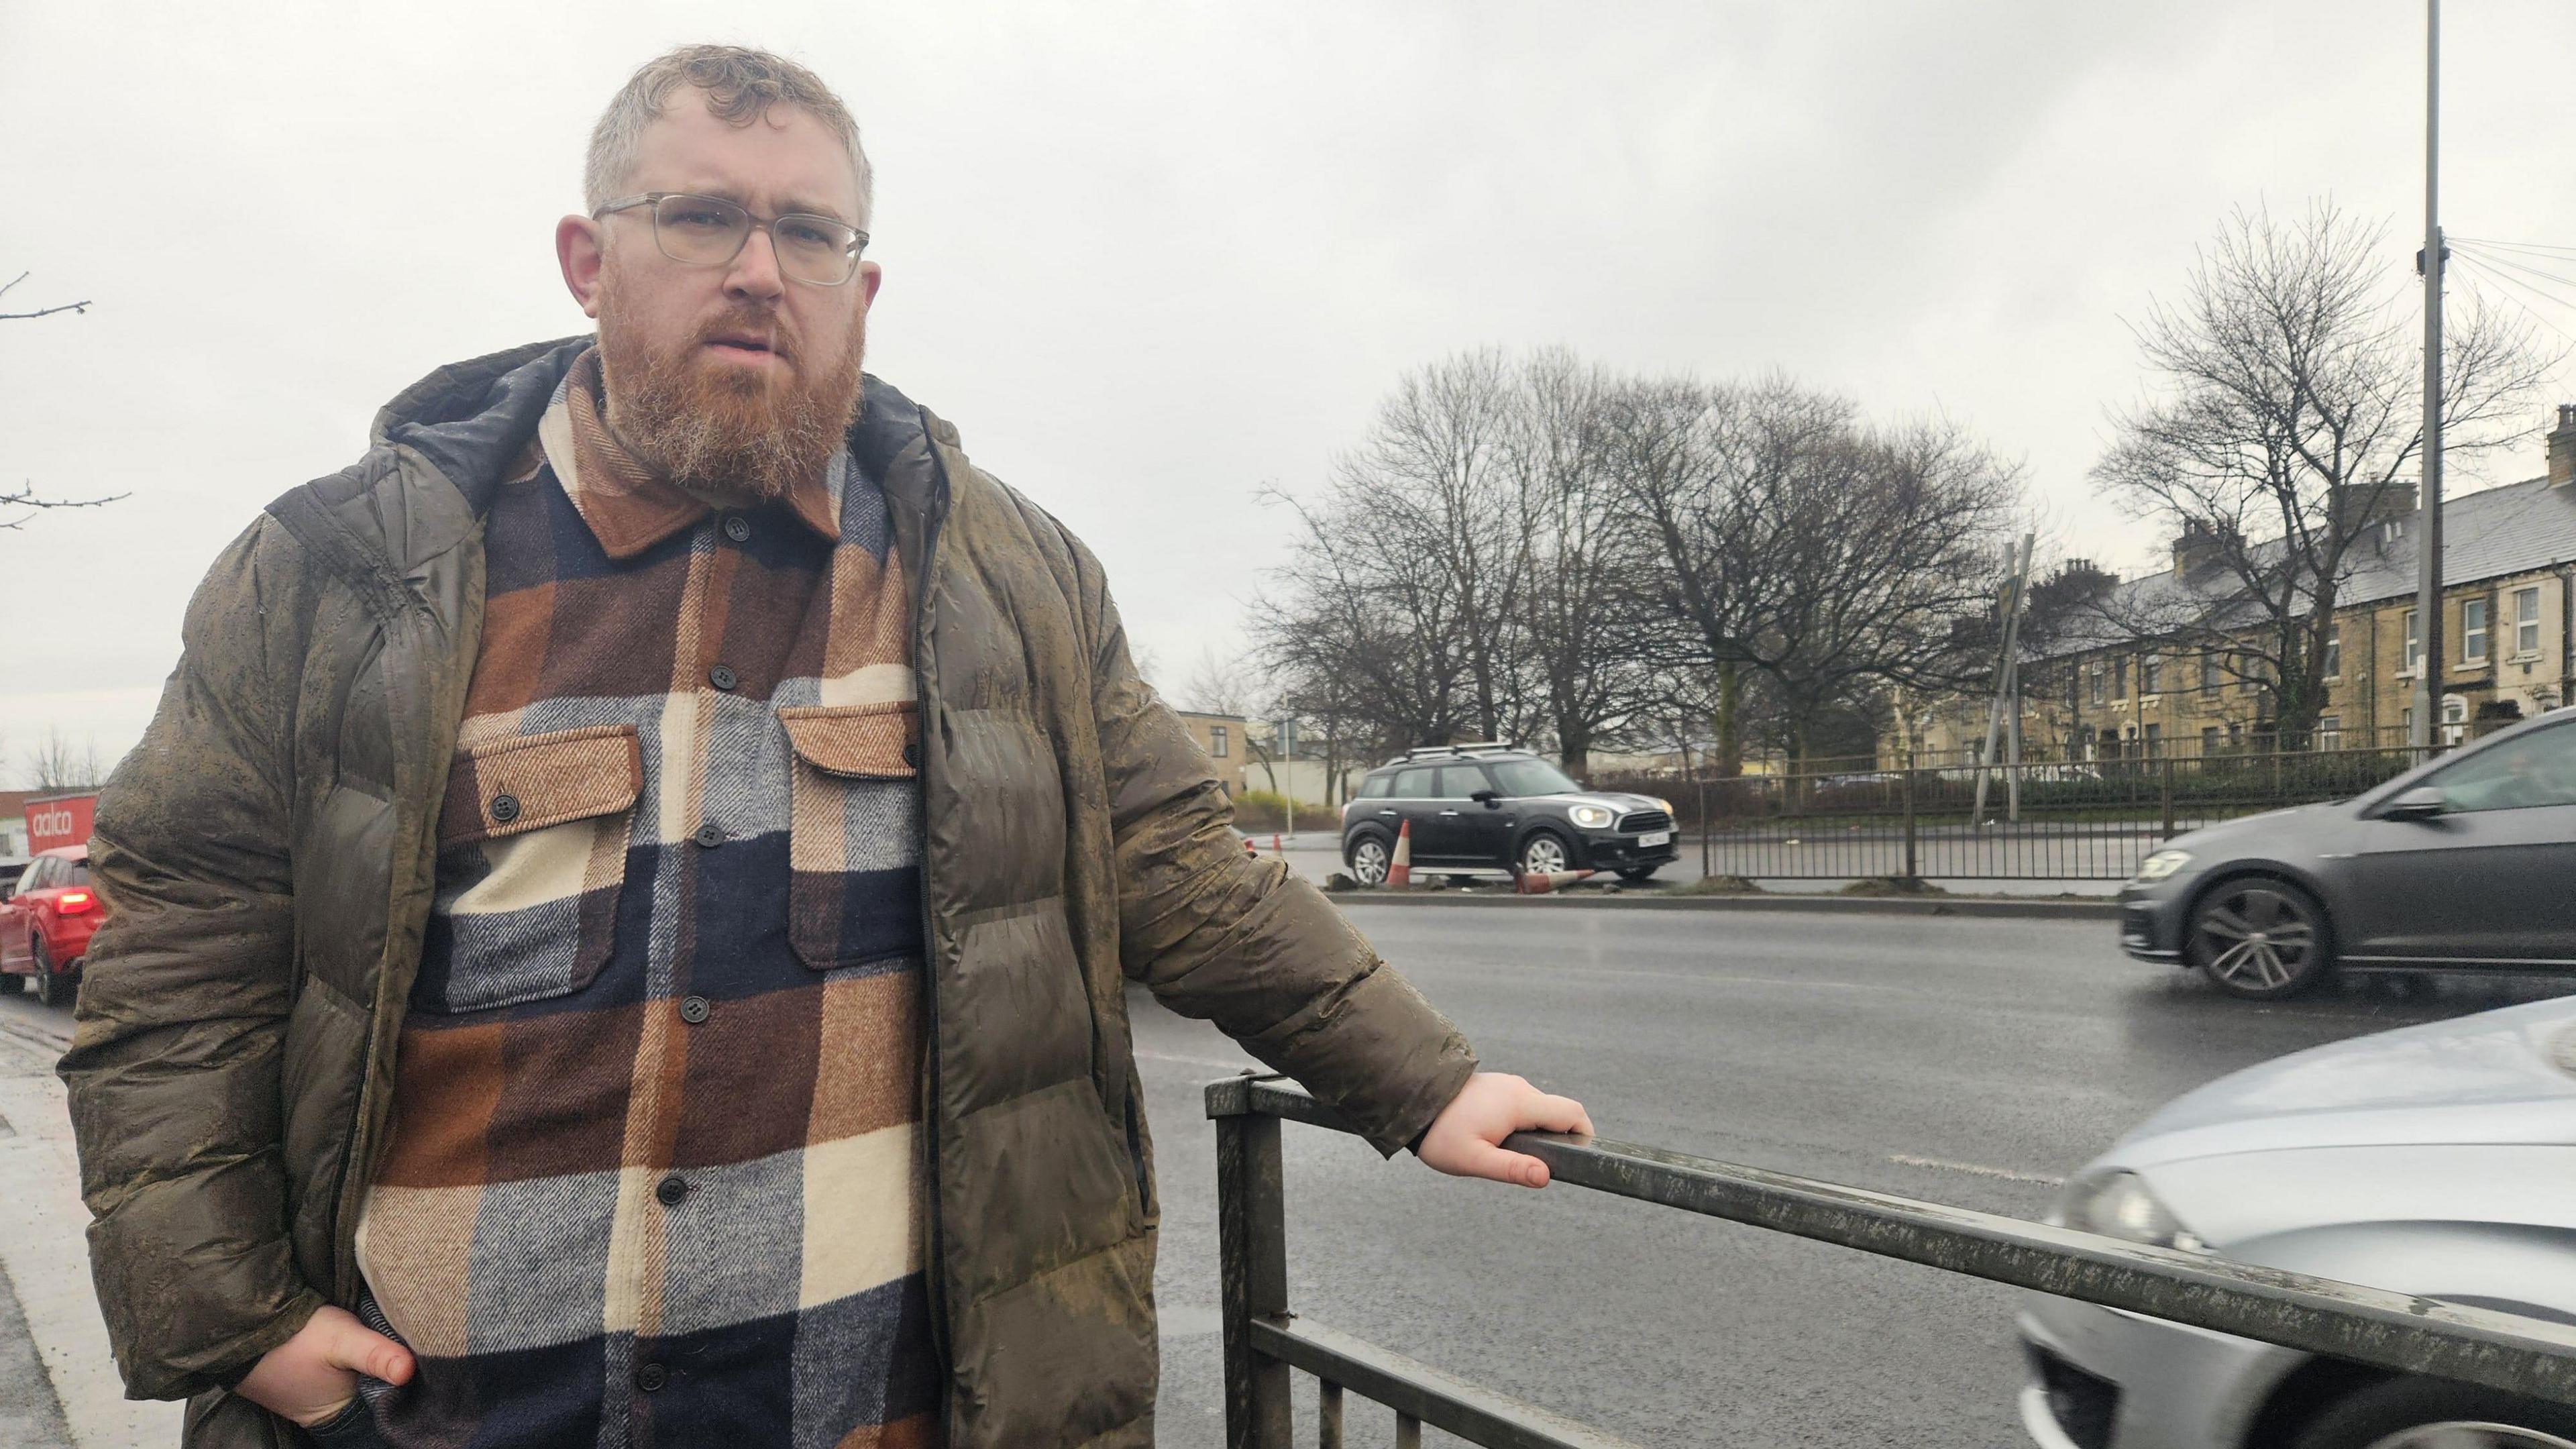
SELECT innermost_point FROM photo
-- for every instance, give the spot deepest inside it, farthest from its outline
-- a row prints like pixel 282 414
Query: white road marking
pixel 1908 1159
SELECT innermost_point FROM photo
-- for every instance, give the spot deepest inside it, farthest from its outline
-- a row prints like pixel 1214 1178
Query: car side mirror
pixel 1490 799
pixel 2421 803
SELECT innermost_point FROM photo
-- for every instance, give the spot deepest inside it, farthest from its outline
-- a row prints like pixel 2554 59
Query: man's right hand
pixel 314 1375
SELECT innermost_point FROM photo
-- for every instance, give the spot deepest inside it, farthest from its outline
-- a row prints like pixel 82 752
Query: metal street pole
pixel 1288 756
pixel 2428 532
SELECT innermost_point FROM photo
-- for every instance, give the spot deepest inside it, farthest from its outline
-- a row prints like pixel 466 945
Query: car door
pixel 1412 804
pixel 1462 827
pixel 2486 879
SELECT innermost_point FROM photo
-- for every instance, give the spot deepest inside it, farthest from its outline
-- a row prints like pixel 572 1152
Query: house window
pixel 2209 673
pixel 2473 631
pixel 2155 740
pixel 2526 622
pixel 2097 681
pixel 2455 719
pixel 1216 741
pixel 2334 652
pixel 2119 679
pixel 2208 740
pixel 2329 731
pixel 2414 646
pixel 2151 673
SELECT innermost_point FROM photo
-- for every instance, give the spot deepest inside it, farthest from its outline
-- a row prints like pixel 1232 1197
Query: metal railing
pixel 2076 820
pixel 1264 1341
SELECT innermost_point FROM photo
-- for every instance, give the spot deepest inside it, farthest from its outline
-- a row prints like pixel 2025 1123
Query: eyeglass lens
pixel 709 231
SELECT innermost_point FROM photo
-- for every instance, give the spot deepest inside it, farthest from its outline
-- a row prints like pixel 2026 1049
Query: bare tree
pixel 24 498
pixel 1223 685
pixel 56 765
pixel 2284 428
pixel 1582 626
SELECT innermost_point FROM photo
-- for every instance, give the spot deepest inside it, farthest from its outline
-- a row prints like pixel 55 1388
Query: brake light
pixel 73 903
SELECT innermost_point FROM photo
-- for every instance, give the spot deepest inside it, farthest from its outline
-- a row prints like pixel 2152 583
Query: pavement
pixel 1967 1060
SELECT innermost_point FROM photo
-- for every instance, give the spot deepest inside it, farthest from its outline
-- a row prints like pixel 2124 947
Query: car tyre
pixel 1545 852
pixel 2259 937
pixel 2419 1413
pixel 52 988
pixel 1368 857
pixel 1638 873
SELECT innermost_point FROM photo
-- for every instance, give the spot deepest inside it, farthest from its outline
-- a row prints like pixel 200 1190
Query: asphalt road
pixel 1964 1060
pixel 1968 1061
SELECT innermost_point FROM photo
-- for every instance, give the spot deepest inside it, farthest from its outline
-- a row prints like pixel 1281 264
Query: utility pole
pixel 2428 531
pixel 2007 687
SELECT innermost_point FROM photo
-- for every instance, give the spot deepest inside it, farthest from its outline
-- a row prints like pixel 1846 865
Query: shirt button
pixel 722 677
pixel 671 1189
pixel 693 1009
pixel 505 808
pixel 738 528
pixel 651 1377
pixel 710 835
pixel 912 755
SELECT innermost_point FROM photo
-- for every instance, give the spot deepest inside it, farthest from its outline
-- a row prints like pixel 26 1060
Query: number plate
pixel 1660 837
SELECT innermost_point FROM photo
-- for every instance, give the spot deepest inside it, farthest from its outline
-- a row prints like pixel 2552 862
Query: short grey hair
pixel 740 86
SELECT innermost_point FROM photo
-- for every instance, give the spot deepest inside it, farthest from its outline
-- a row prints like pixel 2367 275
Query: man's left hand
pixel 1466 1139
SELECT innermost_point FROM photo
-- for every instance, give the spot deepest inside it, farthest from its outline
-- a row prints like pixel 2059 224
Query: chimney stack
pixel 2196 545
pixel 2562 448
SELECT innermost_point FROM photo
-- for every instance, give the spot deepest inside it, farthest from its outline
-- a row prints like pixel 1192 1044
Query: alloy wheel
pixel 2259 939
pixel 2467 1434
pixel 1368 861
pixel 1543 854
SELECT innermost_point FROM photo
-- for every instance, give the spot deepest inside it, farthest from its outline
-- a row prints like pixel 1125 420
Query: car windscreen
pixel 79 875
pixel 1531 777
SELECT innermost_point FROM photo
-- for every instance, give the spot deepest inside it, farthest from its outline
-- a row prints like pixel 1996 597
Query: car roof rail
pixel 1463 748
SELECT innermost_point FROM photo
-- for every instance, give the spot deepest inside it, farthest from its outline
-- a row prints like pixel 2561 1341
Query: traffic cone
pixel 1274 846
pixel 1250 851
pixel 1540 882
pixel 1399 871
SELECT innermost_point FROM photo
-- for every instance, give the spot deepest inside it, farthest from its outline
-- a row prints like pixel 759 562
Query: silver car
pixel 2438 1160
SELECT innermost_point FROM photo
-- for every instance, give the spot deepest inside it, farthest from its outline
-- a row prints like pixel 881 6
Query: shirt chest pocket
pixel 854 832
pixel 532 838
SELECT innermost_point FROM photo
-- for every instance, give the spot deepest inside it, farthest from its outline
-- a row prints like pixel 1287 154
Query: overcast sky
pixel 1150 258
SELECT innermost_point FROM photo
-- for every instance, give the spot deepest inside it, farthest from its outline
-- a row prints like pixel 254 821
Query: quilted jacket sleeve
pixel 173 1071
pixel 1247 943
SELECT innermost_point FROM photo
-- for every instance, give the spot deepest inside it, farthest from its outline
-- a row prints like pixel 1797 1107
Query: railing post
pixel 1910 871
pixel 1252 1253
pixel 2168 797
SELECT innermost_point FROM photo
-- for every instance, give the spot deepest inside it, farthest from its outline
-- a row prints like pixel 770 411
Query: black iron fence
pixel 2040 820
pixel 1265 1342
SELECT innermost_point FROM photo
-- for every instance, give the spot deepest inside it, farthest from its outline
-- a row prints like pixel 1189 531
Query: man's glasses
pixel 709 231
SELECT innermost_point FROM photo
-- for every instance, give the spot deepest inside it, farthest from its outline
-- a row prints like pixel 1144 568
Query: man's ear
pixel 581 249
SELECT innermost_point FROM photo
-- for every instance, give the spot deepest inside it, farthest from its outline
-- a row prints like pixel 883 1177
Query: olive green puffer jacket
pixel 268 853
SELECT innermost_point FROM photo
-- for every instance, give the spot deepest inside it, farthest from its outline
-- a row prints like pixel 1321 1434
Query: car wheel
pixel 51 989
pixel 1368 859
pixel 1544 852
pixel 2413 1413
pixel 2259 937
pixel 1639 873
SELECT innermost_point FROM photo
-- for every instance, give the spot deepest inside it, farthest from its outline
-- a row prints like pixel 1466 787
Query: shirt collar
pixel 626 503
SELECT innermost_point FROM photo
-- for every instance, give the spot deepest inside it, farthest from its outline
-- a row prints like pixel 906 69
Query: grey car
pixel 2461 864
pixel 2437 1160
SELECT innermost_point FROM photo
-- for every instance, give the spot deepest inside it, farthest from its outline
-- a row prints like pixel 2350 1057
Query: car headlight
pixel 2163 863
pixel 1662 804
pixel 2120 1205
pixel 1590 817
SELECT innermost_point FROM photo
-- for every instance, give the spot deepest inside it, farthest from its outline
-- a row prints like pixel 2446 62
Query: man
pixel 622 916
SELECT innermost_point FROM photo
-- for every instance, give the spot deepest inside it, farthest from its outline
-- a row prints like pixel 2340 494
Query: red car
pixel 46 924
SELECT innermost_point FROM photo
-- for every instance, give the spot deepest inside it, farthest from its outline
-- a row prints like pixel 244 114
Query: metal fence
pixel 2042 820
pixel 1264 1341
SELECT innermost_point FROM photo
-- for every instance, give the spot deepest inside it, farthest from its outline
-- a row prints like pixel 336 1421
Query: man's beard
pixel 714 428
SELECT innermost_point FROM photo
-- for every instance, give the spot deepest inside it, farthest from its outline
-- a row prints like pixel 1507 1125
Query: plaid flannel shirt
pixel 655 1176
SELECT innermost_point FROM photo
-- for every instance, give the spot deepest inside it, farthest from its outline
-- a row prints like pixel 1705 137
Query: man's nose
pixel 755 268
